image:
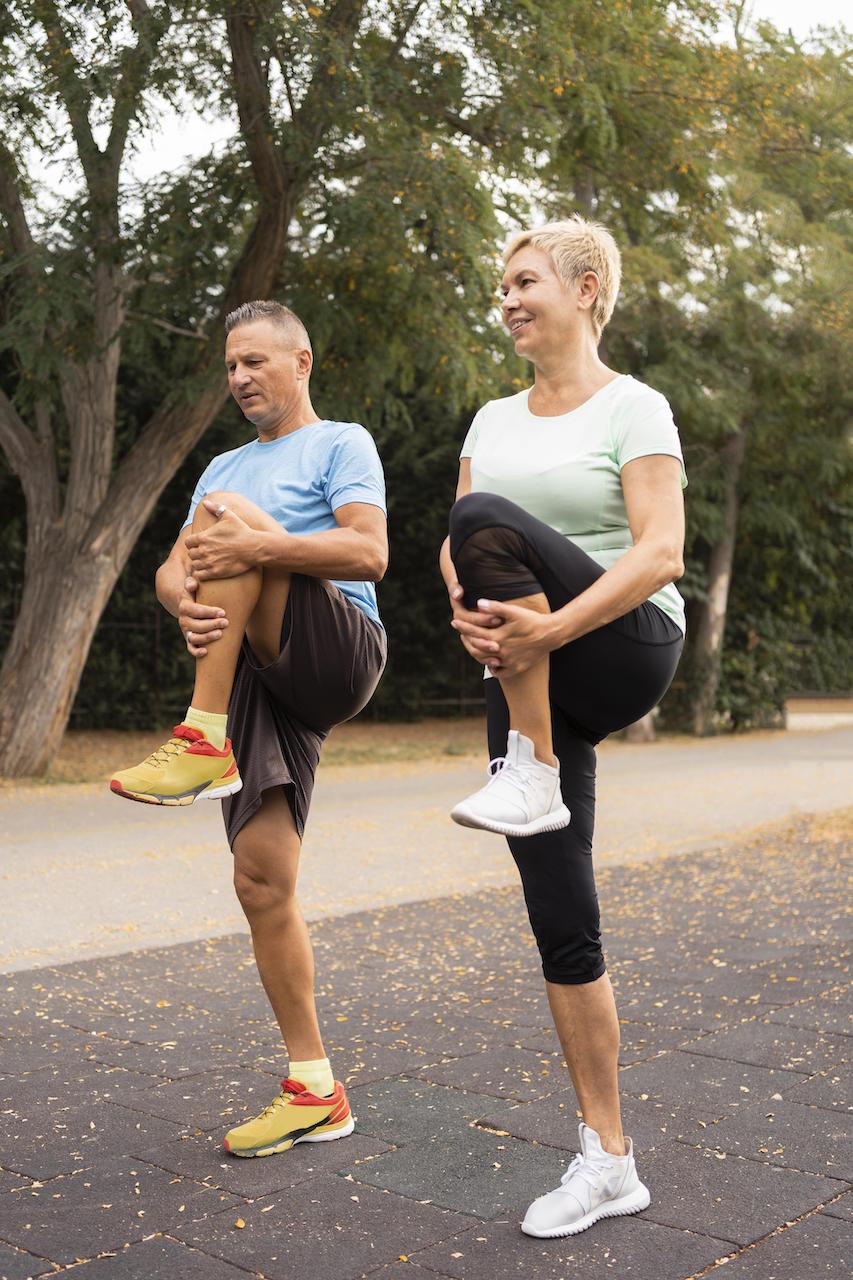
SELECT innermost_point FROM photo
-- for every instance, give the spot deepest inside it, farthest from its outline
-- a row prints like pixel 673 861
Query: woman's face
pixel 541 314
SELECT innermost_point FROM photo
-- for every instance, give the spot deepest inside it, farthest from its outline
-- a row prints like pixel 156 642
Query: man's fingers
pixel 203 626
pixel 193 610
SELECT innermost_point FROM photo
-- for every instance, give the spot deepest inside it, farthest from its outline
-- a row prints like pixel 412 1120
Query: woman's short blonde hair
pixel 575 246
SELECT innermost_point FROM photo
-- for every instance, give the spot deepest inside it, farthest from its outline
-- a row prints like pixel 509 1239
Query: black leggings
pixel 599 683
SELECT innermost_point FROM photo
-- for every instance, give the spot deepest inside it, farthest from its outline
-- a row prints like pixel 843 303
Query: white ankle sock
pixel 210 723
pixel 315 1074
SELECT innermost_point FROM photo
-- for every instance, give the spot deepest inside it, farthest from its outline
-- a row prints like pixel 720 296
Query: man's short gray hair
pixel 249 312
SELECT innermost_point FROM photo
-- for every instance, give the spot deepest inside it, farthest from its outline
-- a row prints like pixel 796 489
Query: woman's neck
pixel 565 383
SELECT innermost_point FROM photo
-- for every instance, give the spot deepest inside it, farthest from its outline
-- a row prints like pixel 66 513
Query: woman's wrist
pixel 559 629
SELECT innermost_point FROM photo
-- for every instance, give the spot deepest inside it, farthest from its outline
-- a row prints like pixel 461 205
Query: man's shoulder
pixel 340 439
pixel 344 430
pixel 220 460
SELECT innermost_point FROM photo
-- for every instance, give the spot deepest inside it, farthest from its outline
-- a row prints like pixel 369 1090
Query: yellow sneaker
pixel 185 768
pixel 294 1116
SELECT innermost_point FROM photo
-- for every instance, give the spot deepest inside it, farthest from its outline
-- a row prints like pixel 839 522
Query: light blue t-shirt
pixel 301 479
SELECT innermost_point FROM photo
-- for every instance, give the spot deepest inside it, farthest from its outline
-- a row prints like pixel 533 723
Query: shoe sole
pixel 143 797
pixel 636 1202
pixel 286 1143
pixel 550 822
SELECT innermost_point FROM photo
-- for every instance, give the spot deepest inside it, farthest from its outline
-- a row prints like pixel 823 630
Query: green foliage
pixel 721 168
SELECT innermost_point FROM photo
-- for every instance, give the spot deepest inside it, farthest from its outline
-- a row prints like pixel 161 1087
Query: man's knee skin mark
pixel 258 894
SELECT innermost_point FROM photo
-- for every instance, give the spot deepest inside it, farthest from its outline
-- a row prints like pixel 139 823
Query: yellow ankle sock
pixel 315 1074
pixel 210 724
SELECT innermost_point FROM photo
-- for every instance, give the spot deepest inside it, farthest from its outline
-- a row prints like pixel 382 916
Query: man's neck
pixel 300 416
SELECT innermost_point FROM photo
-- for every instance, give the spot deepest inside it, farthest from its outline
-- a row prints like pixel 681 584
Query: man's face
pixel 267 371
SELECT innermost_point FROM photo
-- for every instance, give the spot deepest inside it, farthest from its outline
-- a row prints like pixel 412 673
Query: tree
pixel 767 297
pixel 71 291
pixel 378 153
pixel 359 131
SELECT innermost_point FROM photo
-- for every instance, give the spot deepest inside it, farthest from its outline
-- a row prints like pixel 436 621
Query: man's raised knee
pixel 259 895
pixel 241 506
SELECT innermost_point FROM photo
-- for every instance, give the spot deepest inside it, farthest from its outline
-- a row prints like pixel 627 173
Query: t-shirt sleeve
pixel 470 441
pixel 643 426
pixel 203 487
pixel 354 472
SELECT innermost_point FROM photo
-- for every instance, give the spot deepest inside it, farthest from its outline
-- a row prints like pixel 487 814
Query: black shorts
pixel 331 659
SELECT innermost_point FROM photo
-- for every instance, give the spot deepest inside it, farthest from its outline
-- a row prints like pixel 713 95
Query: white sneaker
pixel 595 1185
pixel 521 798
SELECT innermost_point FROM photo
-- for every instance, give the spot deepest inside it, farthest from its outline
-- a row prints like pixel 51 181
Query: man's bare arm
pixel 357 551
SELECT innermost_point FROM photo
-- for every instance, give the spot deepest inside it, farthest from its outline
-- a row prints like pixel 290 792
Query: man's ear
pixel 304 362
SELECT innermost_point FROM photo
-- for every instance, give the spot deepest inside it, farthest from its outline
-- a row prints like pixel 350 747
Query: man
pixel 271 579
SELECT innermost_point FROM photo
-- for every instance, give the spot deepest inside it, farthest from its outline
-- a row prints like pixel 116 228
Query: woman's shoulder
pixel 631 391
pixel 504 406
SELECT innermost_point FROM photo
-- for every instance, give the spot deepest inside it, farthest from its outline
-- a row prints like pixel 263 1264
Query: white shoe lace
pixel 583 1167
pixel 502 771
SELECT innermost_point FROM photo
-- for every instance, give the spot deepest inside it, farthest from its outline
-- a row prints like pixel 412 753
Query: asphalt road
pixel 86 874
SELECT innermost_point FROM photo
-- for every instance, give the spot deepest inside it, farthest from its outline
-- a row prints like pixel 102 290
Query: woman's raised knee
pixel 476 510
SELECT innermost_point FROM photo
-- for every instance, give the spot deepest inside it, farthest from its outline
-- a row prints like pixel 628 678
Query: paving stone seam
pixel 401 1195
pixel 194 1248
pixel 193 1129
pixel 767 1164
pixel 823 1106
pixel 770 1235
pixel 456 1235
pixel 129 1044
pixel 25 1253
pixel 32 1182
pixel 426 1265
pixel 743 1062
pixel 648 1216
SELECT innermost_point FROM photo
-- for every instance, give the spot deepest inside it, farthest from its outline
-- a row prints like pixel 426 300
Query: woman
pixel 565 539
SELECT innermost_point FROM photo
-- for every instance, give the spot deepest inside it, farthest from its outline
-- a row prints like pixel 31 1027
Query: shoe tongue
pixel 292 1086
pixel 519 750
pixel 590 1142
pixel 188 732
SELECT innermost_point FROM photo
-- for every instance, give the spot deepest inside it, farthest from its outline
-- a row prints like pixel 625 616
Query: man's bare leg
pixel 266 859
pixel 254 604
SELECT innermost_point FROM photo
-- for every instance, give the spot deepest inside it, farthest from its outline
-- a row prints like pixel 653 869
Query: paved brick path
pixel 119 1076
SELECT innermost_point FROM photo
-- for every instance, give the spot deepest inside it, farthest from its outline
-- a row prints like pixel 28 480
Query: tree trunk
pixel 642 730
pixel 708 643
pixel 64 595
pixel 73 563
pixel 79 541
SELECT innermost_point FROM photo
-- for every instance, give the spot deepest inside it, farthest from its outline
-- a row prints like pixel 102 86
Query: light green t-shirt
pixel 565 470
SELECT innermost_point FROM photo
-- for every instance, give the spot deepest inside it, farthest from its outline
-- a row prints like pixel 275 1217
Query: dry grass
pixel 91 756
